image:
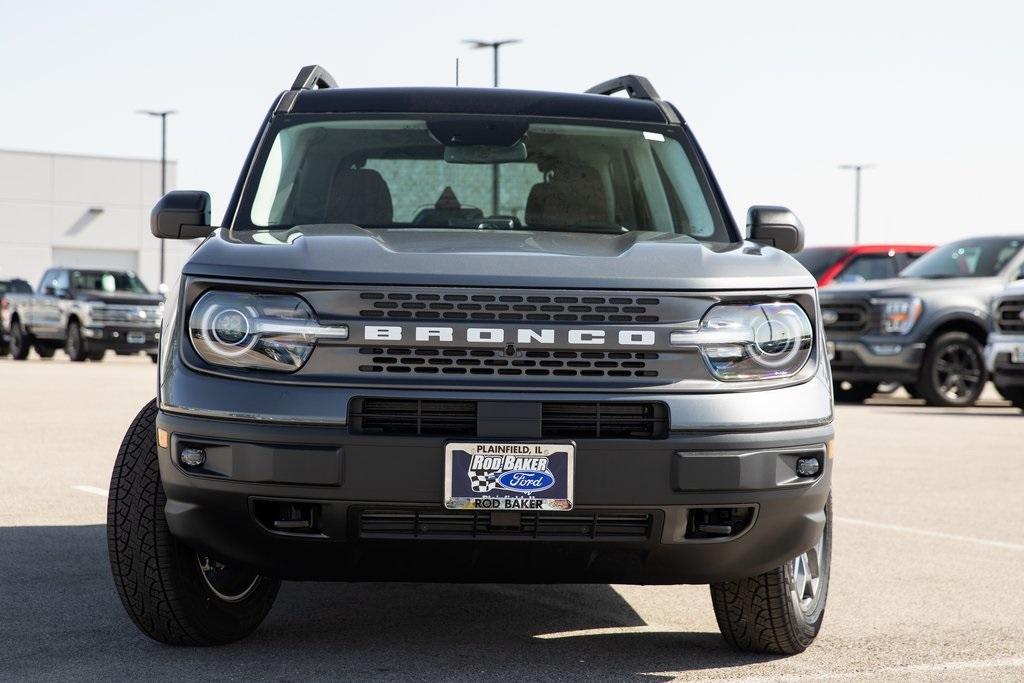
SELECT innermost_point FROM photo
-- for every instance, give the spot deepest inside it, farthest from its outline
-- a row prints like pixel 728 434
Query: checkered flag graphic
pixel 482 481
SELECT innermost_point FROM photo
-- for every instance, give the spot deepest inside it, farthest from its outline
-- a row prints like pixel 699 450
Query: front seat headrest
pixel 359 195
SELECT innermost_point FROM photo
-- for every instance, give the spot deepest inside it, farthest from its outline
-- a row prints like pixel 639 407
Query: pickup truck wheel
pixel 172 593
pixel 74 346
pixel 97 355
pixel 953 374
pixel 780 611
pixel 853 392
pixel 20 342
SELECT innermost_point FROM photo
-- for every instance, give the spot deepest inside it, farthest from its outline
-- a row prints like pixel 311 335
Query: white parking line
pixel 933 534
pixel 94 490
pixel 951 667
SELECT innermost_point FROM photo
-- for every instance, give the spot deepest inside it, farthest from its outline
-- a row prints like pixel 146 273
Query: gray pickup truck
pixel 85 311
pixel 925 329
pixel 462 334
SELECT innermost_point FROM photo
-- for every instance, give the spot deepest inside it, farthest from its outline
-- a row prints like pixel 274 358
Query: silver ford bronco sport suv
pixel 475 335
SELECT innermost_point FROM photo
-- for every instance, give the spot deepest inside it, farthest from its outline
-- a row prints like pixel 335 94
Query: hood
pixel 122 298
pixel 347 254
pixel 907 286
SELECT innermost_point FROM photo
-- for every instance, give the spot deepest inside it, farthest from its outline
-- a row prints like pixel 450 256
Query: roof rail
pixel 310 77
pixel 637 87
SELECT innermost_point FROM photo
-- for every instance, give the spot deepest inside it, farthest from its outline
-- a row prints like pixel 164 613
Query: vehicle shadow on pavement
pixel 60 618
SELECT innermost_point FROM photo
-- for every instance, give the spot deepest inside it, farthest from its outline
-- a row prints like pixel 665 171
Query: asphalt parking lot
pixel 926 585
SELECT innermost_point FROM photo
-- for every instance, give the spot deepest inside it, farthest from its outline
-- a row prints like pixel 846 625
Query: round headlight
pixel 754 341
pixel 245 330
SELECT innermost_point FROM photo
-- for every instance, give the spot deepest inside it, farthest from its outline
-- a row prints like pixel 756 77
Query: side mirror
pixel 181 215
pixel 775 226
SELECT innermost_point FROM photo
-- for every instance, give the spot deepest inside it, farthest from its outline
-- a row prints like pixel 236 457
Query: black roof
pixel 476 101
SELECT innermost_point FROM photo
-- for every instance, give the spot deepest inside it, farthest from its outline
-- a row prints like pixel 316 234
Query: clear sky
pixel 778 93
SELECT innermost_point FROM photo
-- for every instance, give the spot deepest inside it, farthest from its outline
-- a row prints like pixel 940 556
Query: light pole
pixel 856 168
pixel 163 168
pixel 495 46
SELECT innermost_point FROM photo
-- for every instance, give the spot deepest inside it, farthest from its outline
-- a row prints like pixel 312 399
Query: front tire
pixel 172 593
pixel 853 392
pixel 780 611
pixel 953 374
pixel 74 345
pixel 20 344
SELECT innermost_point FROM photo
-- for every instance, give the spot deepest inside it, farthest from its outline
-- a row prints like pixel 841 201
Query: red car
pixel 859 263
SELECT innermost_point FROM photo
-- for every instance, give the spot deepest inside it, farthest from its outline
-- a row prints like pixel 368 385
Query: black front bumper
pixel 859 359
pixel 112 338
pixel 629 524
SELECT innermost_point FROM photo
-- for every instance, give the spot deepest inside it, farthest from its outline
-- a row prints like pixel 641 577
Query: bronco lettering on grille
pixel 497 335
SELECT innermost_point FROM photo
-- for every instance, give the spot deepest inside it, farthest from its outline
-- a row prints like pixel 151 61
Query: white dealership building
pixel 71 210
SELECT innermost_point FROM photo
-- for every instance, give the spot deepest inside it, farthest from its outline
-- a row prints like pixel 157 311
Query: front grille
pixel 559 420
pixel 604 420
pixel 477 524
pixel 401 417
pixel 509 307
pixel 1010 315
pixel 493 362
pixel 124 314
pixel 850 317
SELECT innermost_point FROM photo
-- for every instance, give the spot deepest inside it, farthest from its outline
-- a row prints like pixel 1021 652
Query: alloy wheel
pixel 805 573
pixel 958 372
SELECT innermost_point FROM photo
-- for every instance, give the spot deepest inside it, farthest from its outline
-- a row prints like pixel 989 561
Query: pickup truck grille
pixel 510 307
pixel 558 419
pixel 119 314
pixel 1010 316
pixel 491 362
pixel 845 317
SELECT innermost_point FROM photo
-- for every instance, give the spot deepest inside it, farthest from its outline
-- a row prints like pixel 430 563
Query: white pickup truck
pixel 85 311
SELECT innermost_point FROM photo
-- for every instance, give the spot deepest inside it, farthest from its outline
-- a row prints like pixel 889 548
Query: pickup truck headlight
pixel 752 341
pixel 259 331
pixel 899 315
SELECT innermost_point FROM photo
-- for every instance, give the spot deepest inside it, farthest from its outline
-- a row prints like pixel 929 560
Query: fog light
pixel 807 467
pixel 886 349
pixel 192 457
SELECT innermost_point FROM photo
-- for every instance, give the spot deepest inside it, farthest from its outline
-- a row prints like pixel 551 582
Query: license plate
pixel 1017 353
pixel 830 350
pixel 136 338
pixel 508 476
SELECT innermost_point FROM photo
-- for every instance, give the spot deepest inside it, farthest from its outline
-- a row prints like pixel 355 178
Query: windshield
pixel 978 257
pixel 819 259
pixel 482 173
pixel 107 281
